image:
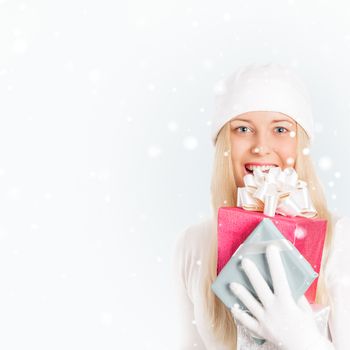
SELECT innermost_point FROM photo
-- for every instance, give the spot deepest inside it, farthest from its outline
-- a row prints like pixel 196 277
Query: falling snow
pixel 227 17
pixel 151 87
pixel 172 126
pixel 14 193
pixel 220 88
pixel 190 143
pixel 325 163
pixel 299 233
pixel 106 318
pixel 306 151
pixel 154 151
pixel 20 46
pixel 290 160
pixel 94 75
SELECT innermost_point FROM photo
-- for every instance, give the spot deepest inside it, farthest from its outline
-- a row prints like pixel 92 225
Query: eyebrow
pixel 273 121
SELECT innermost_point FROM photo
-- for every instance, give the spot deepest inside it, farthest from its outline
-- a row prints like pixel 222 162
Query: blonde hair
pixel 224 193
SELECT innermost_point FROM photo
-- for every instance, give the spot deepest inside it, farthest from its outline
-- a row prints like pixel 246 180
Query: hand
pixel 278 318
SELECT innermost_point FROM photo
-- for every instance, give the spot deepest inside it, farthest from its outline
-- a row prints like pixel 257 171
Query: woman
pixel 263 118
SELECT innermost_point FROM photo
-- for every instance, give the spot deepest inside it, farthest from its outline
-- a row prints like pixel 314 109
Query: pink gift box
pixel 307 235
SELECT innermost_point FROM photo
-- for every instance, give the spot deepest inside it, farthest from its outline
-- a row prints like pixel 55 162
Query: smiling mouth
pixel 248 171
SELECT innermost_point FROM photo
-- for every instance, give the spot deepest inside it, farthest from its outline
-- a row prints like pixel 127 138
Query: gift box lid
pixel 299 272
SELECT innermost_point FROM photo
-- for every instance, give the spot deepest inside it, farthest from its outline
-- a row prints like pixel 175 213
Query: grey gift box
pixel 299 272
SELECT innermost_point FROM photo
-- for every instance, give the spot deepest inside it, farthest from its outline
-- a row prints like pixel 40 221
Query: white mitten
pixel 278 318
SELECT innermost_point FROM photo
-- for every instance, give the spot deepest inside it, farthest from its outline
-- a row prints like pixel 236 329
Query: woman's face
pixel 262 138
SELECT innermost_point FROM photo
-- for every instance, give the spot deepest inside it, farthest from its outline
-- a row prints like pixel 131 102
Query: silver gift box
pixel 300 273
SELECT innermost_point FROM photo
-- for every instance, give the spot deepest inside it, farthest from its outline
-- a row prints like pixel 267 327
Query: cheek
pixel 287 149
pixel 238 149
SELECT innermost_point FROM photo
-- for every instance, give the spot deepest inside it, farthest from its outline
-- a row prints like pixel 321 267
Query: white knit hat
pixel 262 87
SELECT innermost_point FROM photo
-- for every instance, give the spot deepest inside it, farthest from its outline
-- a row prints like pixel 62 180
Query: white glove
pixel 278 318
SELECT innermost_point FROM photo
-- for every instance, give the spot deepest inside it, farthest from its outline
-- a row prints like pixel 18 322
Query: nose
pixel 261 147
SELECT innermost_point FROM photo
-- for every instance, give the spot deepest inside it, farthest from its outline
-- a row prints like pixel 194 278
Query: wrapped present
pixel 273 207
pixel 281 197
pixel 299 272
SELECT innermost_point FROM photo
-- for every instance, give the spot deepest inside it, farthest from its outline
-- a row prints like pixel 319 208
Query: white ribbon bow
pixel 276 192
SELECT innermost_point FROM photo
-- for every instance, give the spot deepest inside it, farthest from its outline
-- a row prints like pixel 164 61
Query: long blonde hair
pixel 224 193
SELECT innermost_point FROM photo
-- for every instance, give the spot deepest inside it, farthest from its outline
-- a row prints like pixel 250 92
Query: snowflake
pixel 190 143
pixel 94 75
pixel 195 24
pixel 207 64
pixel 227 17
pixel 154 151
pixel 325 163
pixel 299 233
pixel 34 227
pixel 47 195
pixel 14 193
pixel 106 318
pixel 151 87
pixel 306 151
pixel 220 88
pixel 172 126
pixel 22 6
pixel 290 160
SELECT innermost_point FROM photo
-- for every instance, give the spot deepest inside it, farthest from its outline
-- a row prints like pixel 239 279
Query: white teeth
pixel 262 167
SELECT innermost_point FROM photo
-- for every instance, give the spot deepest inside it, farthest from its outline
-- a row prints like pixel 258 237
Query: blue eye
pixel 281 127
pixel 242 127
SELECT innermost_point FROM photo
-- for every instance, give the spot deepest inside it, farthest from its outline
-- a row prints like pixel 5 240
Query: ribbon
pixel 276 192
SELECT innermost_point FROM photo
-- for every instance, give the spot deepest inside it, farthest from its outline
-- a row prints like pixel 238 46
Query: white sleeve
pixel 337 279
pixel 188 337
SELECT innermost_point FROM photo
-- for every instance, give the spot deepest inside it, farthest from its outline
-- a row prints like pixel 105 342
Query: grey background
pixel 105 150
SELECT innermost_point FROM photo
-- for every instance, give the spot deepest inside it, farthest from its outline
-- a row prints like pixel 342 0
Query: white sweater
pixel 189 264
